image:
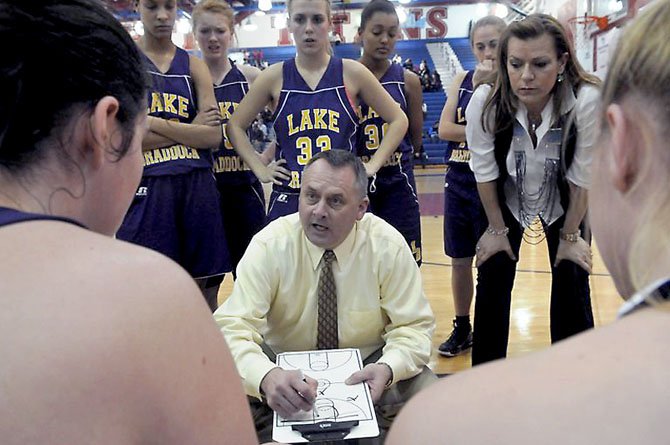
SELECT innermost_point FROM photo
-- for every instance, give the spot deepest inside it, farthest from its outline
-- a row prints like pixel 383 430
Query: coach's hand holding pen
pixel 288 392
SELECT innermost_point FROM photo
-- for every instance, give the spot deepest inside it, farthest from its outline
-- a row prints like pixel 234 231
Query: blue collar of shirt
pixel 654 294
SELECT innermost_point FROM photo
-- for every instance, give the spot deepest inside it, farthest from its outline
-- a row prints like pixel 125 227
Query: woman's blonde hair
pixel 639 73
pixel 289 4
pixel 641 63
pixel 490 20
pixel 214 6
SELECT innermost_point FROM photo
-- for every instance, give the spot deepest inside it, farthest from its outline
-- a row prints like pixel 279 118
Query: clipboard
pixel 340 411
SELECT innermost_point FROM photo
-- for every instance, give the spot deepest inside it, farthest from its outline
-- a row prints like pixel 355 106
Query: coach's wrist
pixel 389 381
pixel 571 237
pixel 497 231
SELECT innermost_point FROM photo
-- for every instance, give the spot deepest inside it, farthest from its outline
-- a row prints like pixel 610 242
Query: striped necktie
pixel 326 337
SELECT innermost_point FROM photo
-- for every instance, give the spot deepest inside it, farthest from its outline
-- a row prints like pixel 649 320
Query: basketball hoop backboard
pixel 612 9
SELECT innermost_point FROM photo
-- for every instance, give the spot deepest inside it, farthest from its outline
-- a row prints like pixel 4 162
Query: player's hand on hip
pixel 488 245
pixel 288 392
pixel 376 375
pixel 369 169
pixel 274 172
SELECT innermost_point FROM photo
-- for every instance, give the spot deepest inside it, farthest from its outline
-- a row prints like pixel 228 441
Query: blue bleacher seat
pixel 347 51
pixel 435 152
pixel 464 53
pixel 434 101
pixel 414 49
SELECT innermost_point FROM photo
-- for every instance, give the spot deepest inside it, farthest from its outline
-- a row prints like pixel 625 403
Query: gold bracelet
pixel 502 232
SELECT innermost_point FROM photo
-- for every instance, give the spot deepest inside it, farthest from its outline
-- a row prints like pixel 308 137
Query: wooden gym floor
pixel 529 324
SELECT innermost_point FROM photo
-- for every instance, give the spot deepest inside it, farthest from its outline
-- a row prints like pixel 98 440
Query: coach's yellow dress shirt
pixel 381 302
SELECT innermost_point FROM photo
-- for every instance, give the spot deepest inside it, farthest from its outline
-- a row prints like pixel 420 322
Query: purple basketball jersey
pixel 172 97
pixel 458 152
pixel 12 216
pixel 373 127
pixel 310 121
pixel 228 166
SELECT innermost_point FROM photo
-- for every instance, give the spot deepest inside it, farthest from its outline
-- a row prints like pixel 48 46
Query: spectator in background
pixel 435 82
pixel 424 75
pixel 335 38
pixel 424 70
pixel 258 134
pixel 258 58
pixel 266 114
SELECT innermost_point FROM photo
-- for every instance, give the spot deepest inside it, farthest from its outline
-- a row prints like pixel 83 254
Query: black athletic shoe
pixel 457 342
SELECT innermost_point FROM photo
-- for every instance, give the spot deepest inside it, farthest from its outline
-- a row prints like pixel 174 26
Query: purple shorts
pixel 393 198
pixel 282 204
pixel 179 216
pixel 243 211
pixel 464 217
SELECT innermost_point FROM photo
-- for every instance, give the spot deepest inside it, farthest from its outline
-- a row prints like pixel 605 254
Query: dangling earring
pixel 559 78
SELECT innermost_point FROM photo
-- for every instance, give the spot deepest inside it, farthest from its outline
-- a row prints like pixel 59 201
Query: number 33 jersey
pixel 308 121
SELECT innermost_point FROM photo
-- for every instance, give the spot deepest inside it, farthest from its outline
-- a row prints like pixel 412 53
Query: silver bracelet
pixel 571 237
pixel 502 232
